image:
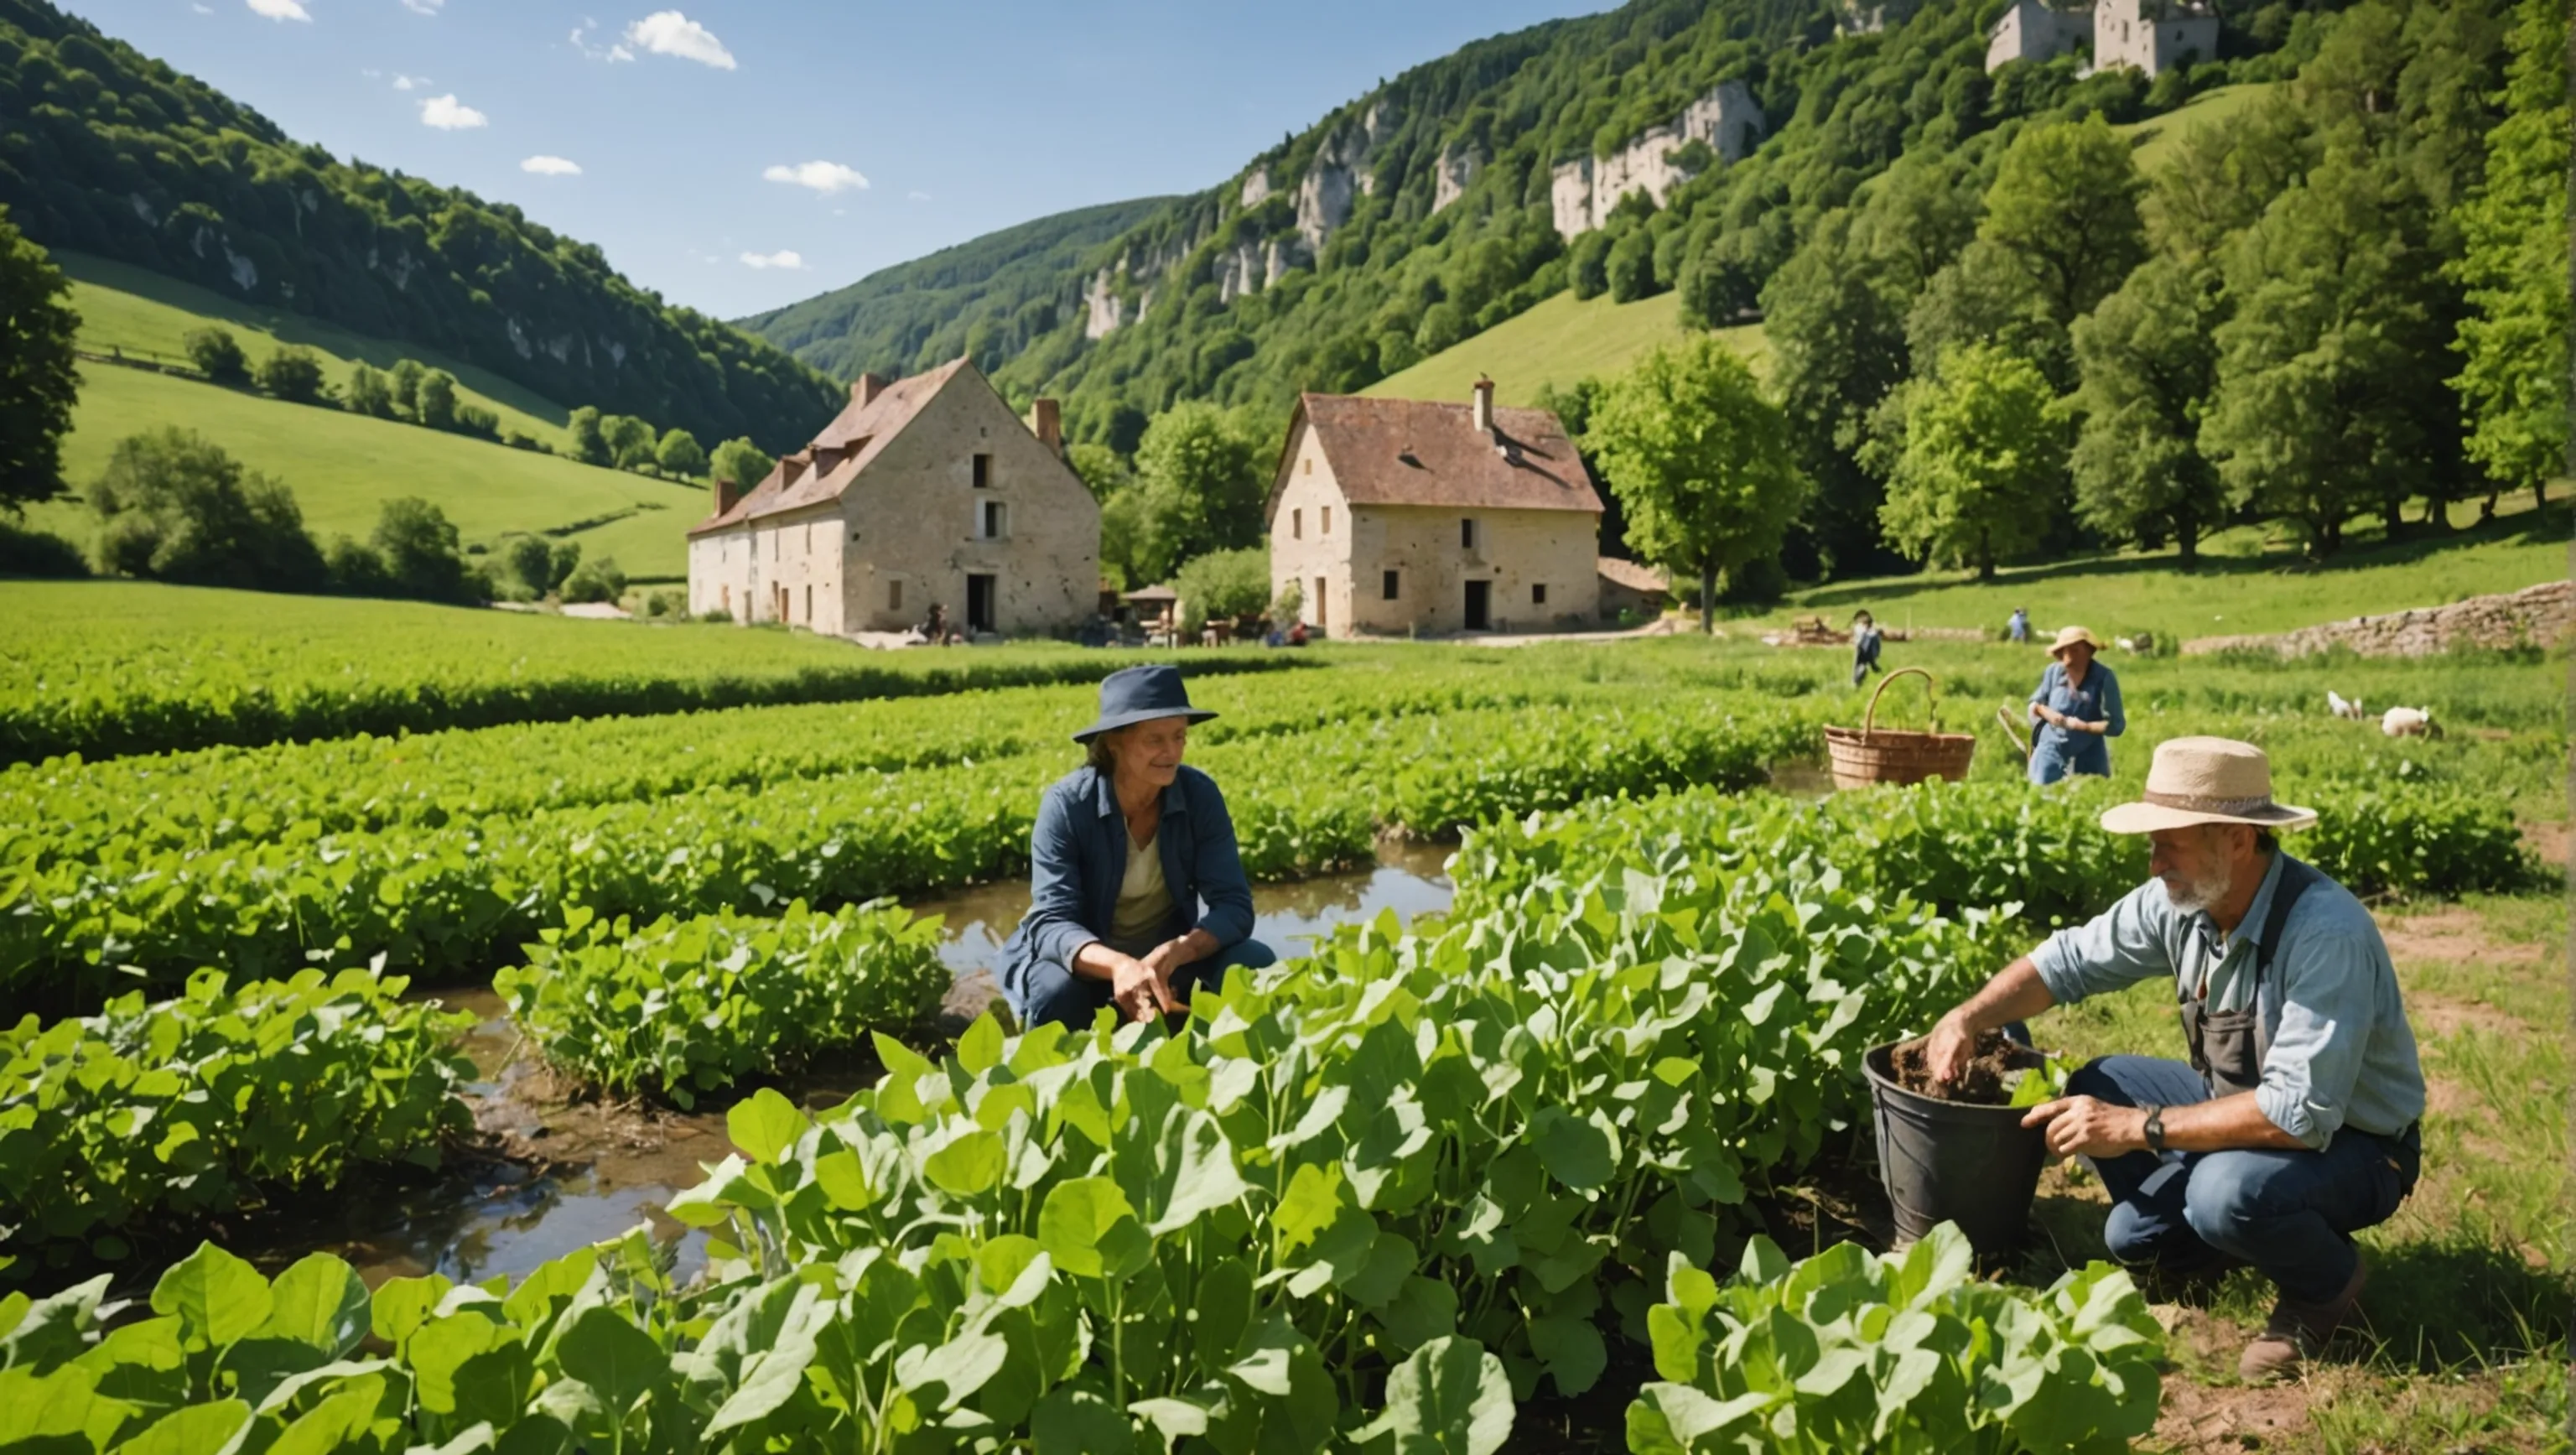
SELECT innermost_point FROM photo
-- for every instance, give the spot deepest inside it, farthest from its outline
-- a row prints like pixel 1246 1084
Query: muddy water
pixel 576 1172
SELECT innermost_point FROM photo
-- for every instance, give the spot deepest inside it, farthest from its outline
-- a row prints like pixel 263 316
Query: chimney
pixel 865 389
pixel 1047 423
pixel 1484 405
pixel 728 495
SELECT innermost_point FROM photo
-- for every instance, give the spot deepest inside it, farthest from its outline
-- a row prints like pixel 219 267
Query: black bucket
pixel 1947 1161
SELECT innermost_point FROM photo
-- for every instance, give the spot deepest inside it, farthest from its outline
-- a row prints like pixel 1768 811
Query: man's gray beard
pixel 2196 896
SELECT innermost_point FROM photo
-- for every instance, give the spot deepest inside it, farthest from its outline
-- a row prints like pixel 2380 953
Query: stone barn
pixel 922 491
pixel 1419 515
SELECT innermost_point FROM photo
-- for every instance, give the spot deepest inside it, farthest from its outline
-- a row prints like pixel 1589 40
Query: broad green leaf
pixel 605 1350
pixel 1203 1178
pixel 968 1166
pixel 765 1125
pixel 1449 1397
pixel 1074 1421
pixel 979 1048
pixel 195 1430
pixel 319 1301
pixel 1075 1225
pixel 216 1297
pixel 1577 1152
pixel 328 1426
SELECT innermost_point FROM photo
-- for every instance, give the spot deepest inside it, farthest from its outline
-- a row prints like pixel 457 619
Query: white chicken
pixel 2407 722
pixel 2336 704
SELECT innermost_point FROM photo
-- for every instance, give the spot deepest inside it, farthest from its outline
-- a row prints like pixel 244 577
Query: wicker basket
pixel 1871 754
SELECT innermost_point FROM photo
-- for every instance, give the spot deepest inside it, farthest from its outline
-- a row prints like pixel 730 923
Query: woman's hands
pixel 1143 988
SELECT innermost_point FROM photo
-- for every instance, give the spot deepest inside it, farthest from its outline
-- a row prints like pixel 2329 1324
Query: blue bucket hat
pixel 1132 695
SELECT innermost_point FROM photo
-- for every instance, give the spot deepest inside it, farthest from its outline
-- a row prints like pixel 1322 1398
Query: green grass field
pixel 343 467
pixel 2158 138
pixel 1555 343
pixel 2250 579
pixel 129 309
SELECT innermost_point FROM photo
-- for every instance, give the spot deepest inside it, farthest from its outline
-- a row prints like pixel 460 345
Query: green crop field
pixel 132 310
pixel 1556 342
pixel 2250 579
pixel 343 467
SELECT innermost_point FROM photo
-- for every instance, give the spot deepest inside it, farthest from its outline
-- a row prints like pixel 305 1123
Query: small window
pixel 809 605
pixel 1467 534
pixel 1296 525
pixel 809 537
pixel 1394 580
pixel 774 537
pixel 983 472
pixel 1538 595
pixel 894 596
pixel 1328 520
pixel 1307 464
pixel 992 521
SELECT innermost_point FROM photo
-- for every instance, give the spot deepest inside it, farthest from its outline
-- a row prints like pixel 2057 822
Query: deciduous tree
pixel 1983 453
pixel 738 460
pixel 589 444
pixel 38 380
pixel 368 393
pixel 293 374
pixel 173 506
pixel 2148 365
pixel 2065 206
pixel 217 355
pixel 679 455
pixel 1700 461
pixel 437 406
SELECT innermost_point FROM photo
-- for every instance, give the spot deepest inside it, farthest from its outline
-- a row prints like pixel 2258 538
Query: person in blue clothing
pixel 2019 627
pixel 1137 893
pixel 2077 711
pixel 1865 646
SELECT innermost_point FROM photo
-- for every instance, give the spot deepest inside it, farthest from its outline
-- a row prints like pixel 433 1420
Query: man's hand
pixel 2080 1126
pixel 1950 1047
pixel 1141 990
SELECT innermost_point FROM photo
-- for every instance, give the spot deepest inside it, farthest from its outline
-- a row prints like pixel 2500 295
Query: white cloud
pixel 779 259
pixel 448 114
pixel 551 167
pixel 823 177
pixel 590 50
pixel 669 33
pixel 410 83
pixel 917 196
pixel 201 9
pixel 277 9
pixel 423 7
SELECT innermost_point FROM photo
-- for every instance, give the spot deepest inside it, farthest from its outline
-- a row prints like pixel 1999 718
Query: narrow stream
pixel 589 1172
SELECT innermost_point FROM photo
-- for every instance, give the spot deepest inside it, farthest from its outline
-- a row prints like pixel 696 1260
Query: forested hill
pixel 989 297
pixel 107 151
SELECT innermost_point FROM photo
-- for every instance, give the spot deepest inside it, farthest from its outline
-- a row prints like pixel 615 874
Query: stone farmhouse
pixel 1396 515
pixel 923 490
pixel 2152 35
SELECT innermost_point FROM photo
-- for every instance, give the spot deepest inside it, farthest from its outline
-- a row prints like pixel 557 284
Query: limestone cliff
pixel 1583 191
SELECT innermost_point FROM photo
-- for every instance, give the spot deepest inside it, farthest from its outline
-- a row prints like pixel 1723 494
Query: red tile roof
pixel 1429 452
pixel 1635 575
pixel 856 436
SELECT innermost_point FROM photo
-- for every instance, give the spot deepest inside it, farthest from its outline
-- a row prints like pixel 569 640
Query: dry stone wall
pixel 2542 615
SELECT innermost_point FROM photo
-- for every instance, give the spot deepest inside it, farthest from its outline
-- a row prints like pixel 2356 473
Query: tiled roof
pixel 858 434
pixel 1429 452
pixel 1635 575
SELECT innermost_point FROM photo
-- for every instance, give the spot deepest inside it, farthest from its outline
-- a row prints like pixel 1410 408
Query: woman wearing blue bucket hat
pixel 1127 849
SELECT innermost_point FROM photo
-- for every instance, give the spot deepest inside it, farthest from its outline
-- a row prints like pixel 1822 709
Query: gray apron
pixel 2228 1047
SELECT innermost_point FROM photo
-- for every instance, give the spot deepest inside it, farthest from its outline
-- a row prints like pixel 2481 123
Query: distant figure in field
pixel 2019 626
pixel 2078 711
pixel 938 630
pixel 1865 644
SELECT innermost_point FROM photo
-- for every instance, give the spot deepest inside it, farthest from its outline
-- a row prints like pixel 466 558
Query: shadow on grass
pixel 2549 526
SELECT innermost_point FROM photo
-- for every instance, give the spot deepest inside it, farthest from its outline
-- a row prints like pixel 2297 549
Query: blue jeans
pixel 2290 1214
pixel 2056 753
pixel 1054 993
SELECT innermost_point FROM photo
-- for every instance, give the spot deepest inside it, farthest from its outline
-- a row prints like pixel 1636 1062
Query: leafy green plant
pixel 195 1104
pixel 682 1007
pixel 1904 1351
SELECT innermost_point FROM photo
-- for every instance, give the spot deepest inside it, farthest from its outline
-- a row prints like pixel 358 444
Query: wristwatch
pixel 2155 1128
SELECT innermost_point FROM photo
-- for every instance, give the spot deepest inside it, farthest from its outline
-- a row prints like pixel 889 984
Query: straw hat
pixel 2068 636
pixel 2206 780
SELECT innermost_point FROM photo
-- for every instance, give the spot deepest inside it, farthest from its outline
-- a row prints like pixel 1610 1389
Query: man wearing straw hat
pixel 2294 1125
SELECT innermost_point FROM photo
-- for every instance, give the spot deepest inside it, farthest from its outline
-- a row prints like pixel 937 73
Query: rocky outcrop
pixel 1453 174
pixel 1103 309
pixel 1256 188
pixel 1340 174
pixel 2540 615
pixel 1583 191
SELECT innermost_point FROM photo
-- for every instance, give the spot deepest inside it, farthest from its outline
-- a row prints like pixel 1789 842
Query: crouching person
pixel 1126 849
pixel 2294 1124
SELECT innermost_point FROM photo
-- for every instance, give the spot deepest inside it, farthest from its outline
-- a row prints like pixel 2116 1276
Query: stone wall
pixel 2540 614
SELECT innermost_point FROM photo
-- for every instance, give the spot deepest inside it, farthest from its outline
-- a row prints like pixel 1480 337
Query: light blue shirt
pixel 2341 1052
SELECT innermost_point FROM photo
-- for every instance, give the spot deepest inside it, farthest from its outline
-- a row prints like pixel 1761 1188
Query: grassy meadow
pixel 2158 139
pixel 1556 342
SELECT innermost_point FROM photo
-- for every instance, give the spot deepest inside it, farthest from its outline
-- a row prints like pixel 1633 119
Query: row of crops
pixel 1377 1196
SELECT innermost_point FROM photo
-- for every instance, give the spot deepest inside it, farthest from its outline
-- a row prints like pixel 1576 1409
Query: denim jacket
pixel 1078 856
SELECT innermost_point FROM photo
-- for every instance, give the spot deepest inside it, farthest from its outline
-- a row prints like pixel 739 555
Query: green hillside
pixel 111 153
pixel 2159 138
pixel 1556 343
pixel 130 310
pixel 988 297
pixel 2251 579
pixel 343 467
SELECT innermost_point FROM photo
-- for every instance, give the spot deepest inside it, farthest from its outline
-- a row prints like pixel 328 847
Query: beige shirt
pixel 1144 900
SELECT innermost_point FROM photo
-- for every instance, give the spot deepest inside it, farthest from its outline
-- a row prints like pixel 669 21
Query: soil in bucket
pixel 1986 1081
pixel 1943 1159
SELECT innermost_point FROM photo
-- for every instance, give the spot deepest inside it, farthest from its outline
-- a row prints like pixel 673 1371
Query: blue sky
pixel 737 156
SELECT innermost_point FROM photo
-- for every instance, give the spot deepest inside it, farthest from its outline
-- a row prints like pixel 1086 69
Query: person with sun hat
pixel 2294 1124
pixel 2076 711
